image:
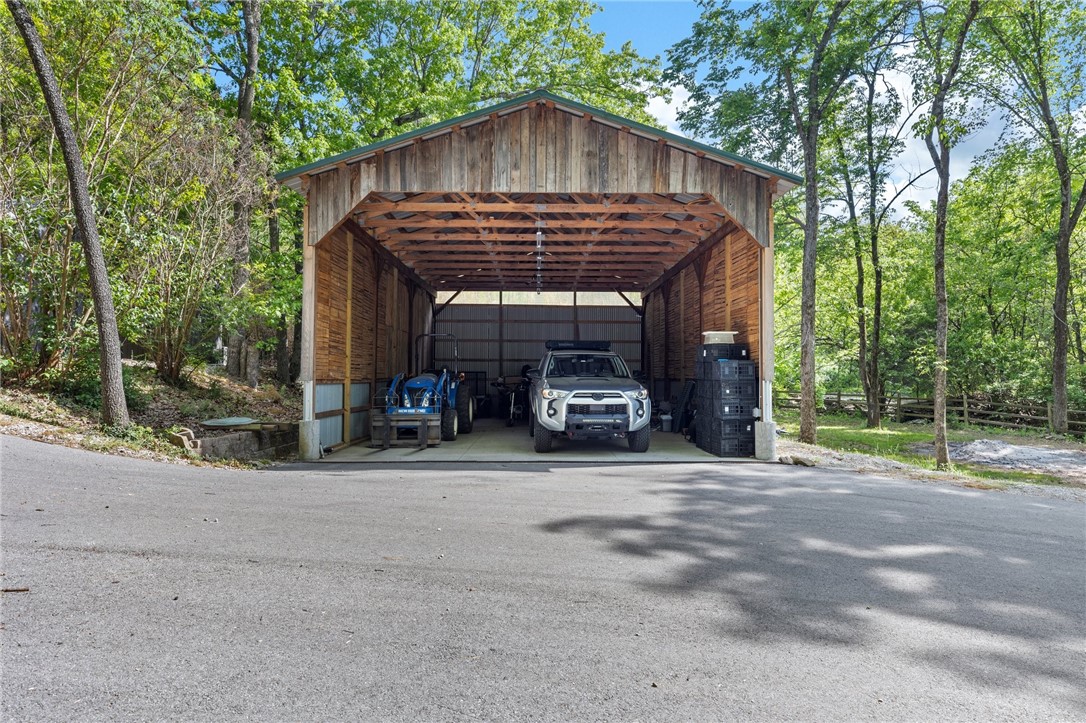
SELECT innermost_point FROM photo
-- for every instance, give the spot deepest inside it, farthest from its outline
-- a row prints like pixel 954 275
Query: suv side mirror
pixel 639 375
pixel 534 374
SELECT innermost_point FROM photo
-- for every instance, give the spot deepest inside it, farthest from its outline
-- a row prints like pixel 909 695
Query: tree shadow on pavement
pixel 987 587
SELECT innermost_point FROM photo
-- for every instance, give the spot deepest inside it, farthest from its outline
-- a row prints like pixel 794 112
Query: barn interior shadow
pixel 834 561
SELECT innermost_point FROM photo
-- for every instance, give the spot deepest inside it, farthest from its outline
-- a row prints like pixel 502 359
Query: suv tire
pixel 639 440
pixel 542 436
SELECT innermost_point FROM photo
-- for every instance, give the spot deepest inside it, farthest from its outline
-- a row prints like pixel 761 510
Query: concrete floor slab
pixel 492 441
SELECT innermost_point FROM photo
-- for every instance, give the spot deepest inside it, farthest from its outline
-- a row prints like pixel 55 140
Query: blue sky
pixel 652 25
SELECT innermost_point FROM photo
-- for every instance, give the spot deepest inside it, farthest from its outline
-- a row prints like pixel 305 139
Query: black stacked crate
pixel 727 392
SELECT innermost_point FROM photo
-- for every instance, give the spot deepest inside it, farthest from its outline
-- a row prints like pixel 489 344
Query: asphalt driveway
pixel 497 592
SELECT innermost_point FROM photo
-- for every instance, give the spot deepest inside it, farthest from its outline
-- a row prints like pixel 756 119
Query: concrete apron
pixel 492 441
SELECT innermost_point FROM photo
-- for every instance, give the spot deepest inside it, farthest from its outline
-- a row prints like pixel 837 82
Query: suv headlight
pixel 554 393
pixel 639 394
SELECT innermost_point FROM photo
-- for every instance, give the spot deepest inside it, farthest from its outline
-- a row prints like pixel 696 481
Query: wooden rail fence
pixel 900 408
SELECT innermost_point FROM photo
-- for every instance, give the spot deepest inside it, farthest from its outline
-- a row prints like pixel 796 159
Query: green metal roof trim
pixel 528 98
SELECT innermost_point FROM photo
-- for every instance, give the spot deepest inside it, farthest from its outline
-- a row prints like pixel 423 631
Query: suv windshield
pixel 586 365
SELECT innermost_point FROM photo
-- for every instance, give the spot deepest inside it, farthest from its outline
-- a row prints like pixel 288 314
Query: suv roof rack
pixel 556 345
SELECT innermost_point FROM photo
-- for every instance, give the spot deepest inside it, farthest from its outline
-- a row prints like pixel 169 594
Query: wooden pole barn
pixel 475 202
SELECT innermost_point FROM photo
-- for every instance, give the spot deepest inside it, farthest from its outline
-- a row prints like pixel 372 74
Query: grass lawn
pixel 905 442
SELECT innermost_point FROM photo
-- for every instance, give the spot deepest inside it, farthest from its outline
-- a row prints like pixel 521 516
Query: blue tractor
pixel 436 403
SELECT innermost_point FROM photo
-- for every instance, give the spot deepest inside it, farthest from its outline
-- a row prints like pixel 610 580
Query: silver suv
pixel 583 390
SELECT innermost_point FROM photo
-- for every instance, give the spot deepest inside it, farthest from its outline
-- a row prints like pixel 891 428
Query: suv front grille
pixel 596 408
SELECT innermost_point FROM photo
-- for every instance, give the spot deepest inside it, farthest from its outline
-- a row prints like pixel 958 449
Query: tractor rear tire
pixel 639 440
pixel 448 425
pixel 542 437
pixel 465 410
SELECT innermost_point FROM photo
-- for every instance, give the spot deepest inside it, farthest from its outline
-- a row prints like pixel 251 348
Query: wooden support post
pixel 766 330
pixel 700 264
pixel 682 327
pixel 965 407
pixel 665 292
pixel 576 319
pixel 309 429
pixel 378 271
pixel 728 283
pixel 501 334
pixel 347 355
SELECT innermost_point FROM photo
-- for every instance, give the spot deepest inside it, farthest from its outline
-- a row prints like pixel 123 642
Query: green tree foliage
pixel 800 56
pixel 154 152
pixel 1035 74
pixel 1000 277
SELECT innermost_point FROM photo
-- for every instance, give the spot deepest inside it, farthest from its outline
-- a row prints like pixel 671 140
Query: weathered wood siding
pixel 727 299
pixel 381 318
pixel 539 149
pixel 330 338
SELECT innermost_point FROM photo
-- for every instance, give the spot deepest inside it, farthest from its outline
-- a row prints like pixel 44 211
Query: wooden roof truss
pixel 541 241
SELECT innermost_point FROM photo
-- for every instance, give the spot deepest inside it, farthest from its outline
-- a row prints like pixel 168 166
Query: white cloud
pixel 667 111
pixel 914 158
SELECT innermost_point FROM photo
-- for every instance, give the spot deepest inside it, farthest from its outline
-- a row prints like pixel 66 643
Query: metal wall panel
pixel 360 394
pixel 525 329
pixel 360 425
pixel 331 430
pixel 329 397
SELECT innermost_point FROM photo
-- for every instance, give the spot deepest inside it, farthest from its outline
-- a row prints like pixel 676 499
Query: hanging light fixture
pixel 538 262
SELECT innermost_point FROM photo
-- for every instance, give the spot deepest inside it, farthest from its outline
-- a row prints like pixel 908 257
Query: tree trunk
pixel 296 344
pixel 250 13
pixel 282 354
pixel 1059 329
pixel 1070 212
pixel 861 321
pixel 938 144
pixel 808 419
pixel 1076 326
pixel 942 454
pixel 252 364
pixel 114 407
pixel 874 371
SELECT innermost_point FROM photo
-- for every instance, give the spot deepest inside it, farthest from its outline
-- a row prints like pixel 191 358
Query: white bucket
pixel 718 337
pixel 665 422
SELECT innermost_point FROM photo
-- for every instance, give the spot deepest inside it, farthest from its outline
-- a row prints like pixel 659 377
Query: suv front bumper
pixel 593 415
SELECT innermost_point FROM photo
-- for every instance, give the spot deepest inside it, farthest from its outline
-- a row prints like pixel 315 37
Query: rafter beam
pixel 374 210
pixel 511 250
pixel 397 239
pixel 520 222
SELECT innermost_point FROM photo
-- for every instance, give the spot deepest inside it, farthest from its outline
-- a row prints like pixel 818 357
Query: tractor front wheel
pixel 448 425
